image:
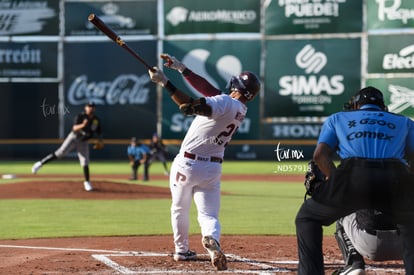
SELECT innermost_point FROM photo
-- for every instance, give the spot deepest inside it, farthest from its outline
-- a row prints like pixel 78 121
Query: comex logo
pixel 403 60
pixel 310 60
pixel 401 98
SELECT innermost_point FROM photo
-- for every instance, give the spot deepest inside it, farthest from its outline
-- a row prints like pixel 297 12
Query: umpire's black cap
pixel 369 95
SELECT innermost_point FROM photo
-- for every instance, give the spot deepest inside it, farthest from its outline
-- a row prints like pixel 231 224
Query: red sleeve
pixel 201 84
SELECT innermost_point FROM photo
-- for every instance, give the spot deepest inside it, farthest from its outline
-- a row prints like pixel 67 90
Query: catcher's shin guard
pixel 349 253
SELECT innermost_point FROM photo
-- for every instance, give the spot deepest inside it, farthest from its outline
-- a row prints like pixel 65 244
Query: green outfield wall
pixel 310 55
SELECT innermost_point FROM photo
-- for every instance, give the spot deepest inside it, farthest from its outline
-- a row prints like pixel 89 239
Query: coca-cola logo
pixel 124 89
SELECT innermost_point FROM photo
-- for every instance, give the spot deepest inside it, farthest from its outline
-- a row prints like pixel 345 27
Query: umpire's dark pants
pixel 356 184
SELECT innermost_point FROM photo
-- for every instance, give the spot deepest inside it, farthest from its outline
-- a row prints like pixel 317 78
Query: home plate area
pixel 153 255
pixel 159 263
pixel 126 263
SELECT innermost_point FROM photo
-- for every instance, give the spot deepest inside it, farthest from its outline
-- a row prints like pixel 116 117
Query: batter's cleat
pixel 186 256
pixel 218 259
pixel 355 269
pixel 88 186
pixel 36 167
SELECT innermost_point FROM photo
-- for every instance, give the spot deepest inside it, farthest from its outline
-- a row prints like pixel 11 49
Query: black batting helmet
pixel 369 95
pixel 247 83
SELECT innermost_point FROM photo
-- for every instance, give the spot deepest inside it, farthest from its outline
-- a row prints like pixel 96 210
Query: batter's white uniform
pixel 196 170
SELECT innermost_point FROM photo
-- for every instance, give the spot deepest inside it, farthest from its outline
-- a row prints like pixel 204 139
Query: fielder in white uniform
pixel 196 170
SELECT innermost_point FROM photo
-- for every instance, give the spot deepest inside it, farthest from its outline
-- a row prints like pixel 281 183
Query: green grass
pixel 249 208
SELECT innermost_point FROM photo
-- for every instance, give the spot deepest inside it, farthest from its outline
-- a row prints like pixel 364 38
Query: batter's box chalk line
pixel 261 268
pixel 258 267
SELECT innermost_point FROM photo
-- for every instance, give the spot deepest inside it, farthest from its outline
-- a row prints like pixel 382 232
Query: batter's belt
pixel 196 157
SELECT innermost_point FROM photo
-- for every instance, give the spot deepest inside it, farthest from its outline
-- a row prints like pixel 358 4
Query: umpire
pixel 372 145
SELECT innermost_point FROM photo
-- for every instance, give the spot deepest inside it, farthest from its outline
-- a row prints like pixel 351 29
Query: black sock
pixel 86 172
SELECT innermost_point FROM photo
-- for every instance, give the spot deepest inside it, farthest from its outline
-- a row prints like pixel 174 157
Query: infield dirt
pixel 147 254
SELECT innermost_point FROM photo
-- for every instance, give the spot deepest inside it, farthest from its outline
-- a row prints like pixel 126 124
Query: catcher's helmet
pixel 246 83
pixel 369 95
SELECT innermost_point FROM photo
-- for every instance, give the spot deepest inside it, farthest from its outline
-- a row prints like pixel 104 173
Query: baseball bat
pixel 100 25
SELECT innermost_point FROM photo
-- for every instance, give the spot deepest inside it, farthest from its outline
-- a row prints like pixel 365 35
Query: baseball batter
pixel 373 145
pixel 196 170
pixel 86 125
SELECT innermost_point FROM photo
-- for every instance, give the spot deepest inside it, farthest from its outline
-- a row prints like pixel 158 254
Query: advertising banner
pixel 124 17
pixel 28 59
pixel 216 61
pixel 213 16
pixel 391 53
pixel 119 85
pixel 390 14
pixel 29 17
pixel 313 16
pixel 29 110
pixel 398 94
pixel 292 131
pixel 310 77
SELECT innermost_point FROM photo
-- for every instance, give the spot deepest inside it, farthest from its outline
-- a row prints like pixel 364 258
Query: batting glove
pixel 173 63
pixel 157 76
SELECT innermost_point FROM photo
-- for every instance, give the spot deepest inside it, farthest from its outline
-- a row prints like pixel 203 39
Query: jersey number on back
pixel 230 130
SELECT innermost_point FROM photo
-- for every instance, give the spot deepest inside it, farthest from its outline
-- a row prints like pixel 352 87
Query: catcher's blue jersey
pixel 368 133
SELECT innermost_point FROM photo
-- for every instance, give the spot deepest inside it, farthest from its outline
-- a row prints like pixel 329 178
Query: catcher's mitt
pixel 99 145
pixel 313 178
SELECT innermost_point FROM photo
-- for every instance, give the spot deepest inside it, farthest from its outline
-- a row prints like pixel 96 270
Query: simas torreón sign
pixel 28 59
pixel 310 77
pixel 322 16
pixel 391 54
pixel 213 16
pixel 398 94
pixel 390 14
